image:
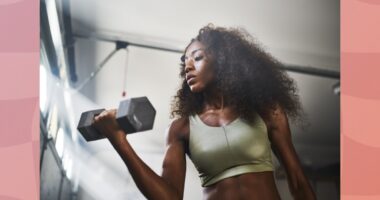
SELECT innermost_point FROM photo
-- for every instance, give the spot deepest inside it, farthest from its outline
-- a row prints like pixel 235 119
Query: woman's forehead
pixel 194 46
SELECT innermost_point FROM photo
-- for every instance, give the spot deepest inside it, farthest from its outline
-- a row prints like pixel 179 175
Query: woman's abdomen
pixel 254 185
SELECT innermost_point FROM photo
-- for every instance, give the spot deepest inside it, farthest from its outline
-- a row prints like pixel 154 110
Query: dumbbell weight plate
pixel 136 115
pixel 84 126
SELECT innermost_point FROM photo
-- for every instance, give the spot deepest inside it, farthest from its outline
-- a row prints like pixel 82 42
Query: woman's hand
pixel 107 125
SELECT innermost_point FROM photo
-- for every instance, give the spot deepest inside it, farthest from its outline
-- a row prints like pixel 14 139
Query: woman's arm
pixel 168 186
pixel 282 146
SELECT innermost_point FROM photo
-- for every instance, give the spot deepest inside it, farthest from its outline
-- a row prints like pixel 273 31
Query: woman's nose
pixel 189 66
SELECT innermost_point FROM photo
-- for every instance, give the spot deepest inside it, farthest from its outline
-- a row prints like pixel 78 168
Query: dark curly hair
pixel 250 79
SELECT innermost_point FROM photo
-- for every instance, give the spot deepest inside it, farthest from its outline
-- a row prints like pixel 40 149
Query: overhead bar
pixel 293 68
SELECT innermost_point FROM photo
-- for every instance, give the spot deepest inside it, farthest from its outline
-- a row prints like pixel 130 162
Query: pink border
pixel 360 99
pixel 19 119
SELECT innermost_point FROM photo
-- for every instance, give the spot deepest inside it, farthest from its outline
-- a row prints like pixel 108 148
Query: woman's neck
pixel 213 100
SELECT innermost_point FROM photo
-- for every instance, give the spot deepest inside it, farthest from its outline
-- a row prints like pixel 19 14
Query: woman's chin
pixel 195 89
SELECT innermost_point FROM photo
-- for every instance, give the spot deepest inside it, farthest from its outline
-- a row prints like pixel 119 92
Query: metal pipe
pixel 293 68
pixel 108 39
pixel 69 40
pixel 98 68
pixel 312 71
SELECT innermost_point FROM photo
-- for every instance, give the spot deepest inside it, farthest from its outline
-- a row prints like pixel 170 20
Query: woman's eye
pixel 198 58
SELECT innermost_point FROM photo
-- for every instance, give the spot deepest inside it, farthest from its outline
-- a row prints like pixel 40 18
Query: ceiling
pixel 297 32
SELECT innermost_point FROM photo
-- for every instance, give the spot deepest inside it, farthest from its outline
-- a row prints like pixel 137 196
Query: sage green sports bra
pixel 230 150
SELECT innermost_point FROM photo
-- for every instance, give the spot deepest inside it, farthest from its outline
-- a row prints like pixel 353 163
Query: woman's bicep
pixel 174 163
pixel 281 139
pixel 282 146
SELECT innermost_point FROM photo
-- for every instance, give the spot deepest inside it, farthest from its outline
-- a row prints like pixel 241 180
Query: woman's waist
pixel 210 177
pixel 251 185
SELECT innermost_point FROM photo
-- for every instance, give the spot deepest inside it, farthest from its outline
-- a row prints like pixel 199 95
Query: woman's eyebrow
pixel 195 51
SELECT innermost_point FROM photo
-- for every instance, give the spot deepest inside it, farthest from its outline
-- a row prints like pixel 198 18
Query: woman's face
pixel 198 68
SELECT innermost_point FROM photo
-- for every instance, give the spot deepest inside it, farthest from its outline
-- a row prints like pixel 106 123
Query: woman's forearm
pixel 304 194
pixel 301 188
pixel 149 183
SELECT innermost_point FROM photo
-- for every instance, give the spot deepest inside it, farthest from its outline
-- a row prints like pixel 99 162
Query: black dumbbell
pixel 133 115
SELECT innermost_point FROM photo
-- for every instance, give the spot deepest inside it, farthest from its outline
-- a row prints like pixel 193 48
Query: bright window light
pixel 43 88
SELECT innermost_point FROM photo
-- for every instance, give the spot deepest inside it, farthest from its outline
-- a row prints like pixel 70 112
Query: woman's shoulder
pixel 178 122
pixel 178 128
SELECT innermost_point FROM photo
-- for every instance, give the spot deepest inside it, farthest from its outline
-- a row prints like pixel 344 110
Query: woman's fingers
pixel 105 114
pixel 106 123
pixel 113 112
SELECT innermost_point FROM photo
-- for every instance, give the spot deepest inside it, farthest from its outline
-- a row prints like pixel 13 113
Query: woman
pixel 231 112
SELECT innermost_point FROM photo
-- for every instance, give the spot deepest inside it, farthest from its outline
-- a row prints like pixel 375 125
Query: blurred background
pixel 93 50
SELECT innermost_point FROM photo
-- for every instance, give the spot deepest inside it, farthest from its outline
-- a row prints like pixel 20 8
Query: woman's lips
pixel 191 80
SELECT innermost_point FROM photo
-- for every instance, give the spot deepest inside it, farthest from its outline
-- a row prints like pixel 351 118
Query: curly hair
pixel 249 78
